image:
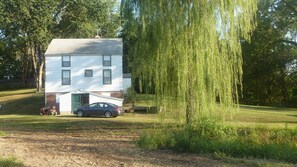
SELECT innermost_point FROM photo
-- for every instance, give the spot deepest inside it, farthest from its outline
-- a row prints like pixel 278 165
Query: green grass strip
pixel 10 162
pixel 2 133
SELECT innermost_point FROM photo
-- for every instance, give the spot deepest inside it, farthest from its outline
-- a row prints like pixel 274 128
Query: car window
pixel 93 105
pixel 100 105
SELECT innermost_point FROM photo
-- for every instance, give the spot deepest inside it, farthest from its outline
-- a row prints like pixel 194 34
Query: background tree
pixel 83 18
pixel 189 52
pixel 269 60
pixel 27 27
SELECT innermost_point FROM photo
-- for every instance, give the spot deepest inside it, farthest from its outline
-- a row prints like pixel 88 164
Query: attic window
pixel 66 61
pixel 106 60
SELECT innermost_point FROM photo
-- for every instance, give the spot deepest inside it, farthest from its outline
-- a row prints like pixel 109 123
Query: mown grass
pixel 255 131
pixel 69 124
pixel 22 102
pixel 265 116
pixel 10 162
pixel 2 133
pixel 16 92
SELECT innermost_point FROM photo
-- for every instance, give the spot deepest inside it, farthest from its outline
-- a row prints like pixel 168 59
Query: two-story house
pixel 82 71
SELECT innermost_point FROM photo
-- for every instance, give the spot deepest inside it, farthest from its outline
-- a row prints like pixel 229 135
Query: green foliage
pixel 10 162
pixel 27 27
pixel 189 53
pixel 269 61
pixel 155 139
pixel 130 96
pixel 210 137
pixel 81 19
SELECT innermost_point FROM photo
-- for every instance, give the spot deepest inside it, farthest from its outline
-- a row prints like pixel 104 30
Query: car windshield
pixel 93 105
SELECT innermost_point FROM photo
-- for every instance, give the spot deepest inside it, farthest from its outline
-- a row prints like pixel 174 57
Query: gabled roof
pixel 102 46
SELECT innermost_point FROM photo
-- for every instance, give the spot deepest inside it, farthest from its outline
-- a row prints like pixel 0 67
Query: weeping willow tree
pixel 189 52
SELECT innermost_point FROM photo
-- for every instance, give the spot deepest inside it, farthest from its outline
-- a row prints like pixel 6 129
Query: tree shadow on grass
pixel 28 105
pixel 292 115
pixel 266 108
pixel 69 124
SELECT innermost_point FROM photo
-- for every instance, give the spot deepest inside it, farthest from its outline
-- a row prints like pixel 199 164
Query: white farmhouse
pixel 79 72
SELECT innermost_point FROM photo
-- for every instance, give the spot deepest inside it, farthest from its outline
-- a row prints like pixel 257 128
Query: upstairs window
pixel 66 61
pixel 106 60
pixel 66 77
pixel 107 77
pixel 88 73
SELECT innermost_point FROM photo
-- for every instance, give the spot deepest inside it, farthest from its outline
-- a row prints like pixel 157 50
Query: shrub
pixel 211 137
pixel 130 96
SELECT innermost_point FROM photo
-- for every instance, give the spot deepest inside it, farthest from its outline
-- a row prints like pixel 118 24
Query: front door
pixel 79 100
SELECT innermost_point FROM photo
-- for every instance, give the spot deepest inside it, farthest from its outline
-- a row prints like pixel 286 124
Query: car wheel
pixel 80 114
pixel 107 114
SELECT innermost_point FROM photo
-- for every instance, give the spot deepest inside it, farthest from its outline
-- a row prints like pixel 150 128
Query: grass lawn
pixel 20 112
pixel 10 162
pixel 16 92
pixel 265 116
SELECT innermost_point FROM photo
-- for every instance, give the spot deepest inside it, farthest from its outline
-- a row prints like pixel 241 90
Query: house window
pixel 66 61
pixel 106 60
pixel 106 76
pixel 65 77
pixel 88 73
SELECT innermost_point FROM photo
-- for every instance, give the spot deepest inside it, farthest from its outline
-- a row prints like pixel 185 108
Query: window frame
pixel 104 77
pixel 88 70
pixel 62 76
pixel 63 62
pixel 106 63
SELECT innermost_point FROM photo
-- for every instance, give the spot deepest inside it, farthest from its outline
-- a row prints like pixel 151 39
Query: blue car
pixel 107 110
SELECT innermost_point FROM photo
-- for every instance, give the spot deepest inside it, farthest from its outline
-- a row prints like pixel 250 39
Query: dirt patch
pixel 38 149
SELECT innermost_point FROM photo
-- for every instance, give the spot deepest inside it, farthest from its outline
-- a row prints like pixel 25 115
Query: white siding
pixel 126 83
pixel 65 103
pixel 93 99
pixel 79 63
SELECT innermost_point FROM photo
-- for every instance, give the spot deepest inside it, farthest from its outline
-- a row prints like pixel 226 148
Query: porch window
pixel 66 77
pixel 106 60
pixel 106 76
pixel 66 61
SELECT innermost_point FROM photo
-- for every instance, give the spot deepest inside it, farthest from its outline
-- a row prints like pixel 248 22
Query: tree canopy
pixel 269 66
pixel 27 27
pixel 189 51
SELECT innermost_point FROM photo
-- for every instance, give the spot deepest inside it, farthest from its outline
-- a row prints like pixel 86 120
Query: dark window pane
pixel 65 61
pixel 107 76
pixel 65 77
pixel 66 81
pixel 88 73
pixel 106 60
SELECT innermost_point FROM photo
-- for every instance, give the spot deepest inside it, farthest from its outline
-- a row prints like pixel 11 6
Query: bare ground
pixel 38 149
